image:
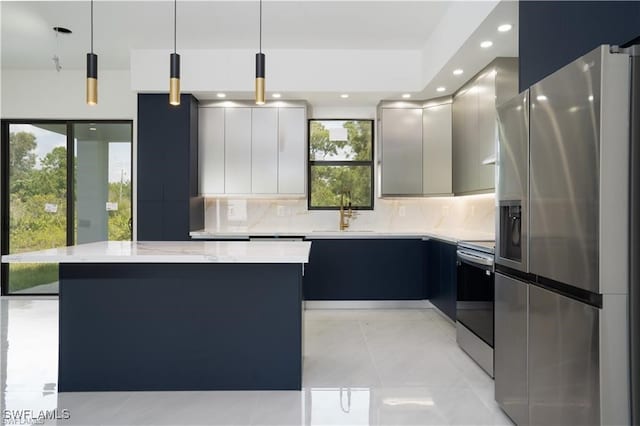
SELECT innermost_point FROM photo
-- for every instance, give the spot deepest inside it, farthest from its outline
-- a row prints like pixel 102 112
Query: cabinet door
pixel 432 271
pixel 465 139
pixel 264 151
pixel 436 150
pixel 402 151
pixel 442 276
pixel 483 176
pixel 237 143
pixel 368 269
pixel 151 160
pixel 211 147
pixel 167 167
pixel 291 150
pixel 449 278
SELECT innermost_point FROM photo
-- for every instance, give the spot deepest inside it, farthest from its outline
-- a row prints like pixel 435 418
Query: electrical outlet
pixel 445 210
pixel 402 211
pixel 473 210
pixel 281 211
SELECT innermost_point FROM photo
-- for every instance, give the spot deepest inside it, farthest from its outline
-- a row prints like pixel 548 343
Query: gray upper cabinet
pixel 475 131
pixel 264 151
pixel 211 150
pixel 291 150
pixel 436 149
pixel 416 147
pixel 237 153
pixel 466 157
pixel 401 151
pixel 252 150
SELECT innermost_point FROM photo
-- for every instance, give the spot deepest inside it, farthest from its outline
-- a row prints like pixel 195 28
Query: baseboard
pixel 367 304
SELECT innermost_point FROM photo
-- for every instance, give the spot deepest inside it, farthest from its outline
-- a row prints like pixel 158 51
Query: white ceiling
pixel 471 58
pixel 28 41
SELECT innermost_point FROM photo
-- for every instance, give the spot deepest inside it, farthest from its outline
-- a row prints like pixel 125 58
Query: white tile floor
pixel 362 367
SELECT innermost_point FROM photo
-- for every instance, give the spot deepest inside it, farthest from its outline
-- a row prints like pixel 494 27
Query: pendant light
pixel 92 70
pixel 260 68
pixel 174 63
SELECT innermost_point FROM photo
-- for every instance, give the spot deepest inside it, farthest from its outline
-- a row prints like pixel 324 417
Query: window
pixel 340 164
pixel 63 183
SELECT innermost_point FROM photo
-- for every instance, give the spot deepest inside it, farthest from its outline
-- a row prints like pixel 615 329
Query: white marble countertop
pixel 452 236
pixel 171 252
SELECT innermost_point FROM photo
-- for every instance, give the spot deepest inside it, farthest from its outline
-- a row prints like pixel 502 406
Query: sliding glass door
pixel 102 181
pixel 37 201
pixel 64 183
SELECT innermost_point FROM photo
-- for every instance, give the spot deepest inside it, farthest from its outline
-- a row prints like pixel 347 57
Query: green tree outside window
pixel 340 163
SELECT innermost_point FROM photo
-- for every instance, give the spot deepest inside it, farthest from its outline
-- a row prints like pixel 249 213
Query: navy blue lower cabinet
pixel 365 269
pixel 163 327
pixel 441 275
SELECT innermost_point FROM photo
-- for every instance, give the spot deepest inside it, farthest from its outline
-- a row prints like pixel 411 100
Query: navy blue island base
pixel 175 326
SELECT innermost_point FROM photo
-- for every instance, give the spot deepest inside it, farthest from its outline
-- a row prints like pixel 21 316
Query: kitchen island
pixel 194 315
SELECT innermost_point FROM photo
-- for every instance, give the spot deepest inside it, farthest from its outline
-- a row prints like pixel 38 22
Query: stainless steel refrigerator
pixel 563 308
pixel 511 277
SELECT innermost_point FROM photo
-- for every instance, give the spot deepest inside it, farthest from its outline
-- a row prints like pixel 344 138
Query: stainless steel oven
pixel 475 301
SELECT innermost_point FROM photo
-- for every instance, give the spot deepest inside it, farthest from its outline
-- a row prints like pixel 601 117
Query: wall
pixel 470 217
pixel 554 33
pixel 289 70
pixel 51 94
pixel 359 112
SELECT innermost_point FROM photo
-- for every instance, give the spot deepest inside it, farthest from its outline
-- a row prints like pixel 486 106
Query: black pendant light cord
pixel 260 26
pixel 175 23
pixel 91 26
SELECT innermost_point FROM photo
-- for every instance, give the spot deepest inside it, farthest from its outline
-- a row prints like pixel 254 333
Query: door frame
pixel 4 186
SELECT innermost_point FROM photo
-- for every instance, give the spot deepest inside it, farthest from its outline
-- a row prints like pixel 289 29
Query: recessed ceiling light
pixel 92 128
pixel 504 28
pixel 344 96
pixel 458 71
pixel 590 98
pixel 441 89
pixel 406 95
pixel 486 44
pixel 221 95
pixel 276 95
pixel 541 97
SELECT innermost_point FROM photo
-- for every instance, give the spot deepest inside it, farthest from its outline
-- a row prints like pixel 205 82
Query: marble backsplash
pixel 474 213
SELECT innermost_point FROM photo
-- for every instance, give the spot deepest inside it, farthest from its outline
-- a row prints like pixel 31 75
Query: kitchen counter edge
pixel 355 234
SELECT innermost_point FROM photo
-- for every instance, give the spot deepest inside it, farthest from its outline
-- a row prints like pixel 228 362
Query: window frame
pixel 370 163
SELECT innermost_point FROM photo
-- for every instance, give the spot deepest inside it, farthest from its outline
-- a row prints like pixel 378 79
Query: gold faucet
pixel 345 215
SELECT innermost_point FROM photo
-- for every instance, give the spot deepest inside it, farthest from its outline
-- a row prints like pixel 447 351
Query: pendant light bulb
pixel 260 68
pixel 174 65
pixel 92 70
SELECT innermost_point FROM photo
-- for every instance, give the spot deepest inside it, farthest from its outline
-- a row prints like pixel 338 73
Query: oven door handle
pixel 487 262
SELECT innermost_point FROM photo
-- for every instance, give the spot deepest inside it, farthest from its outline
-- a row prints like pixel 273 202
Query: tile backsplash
pixel 474 213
